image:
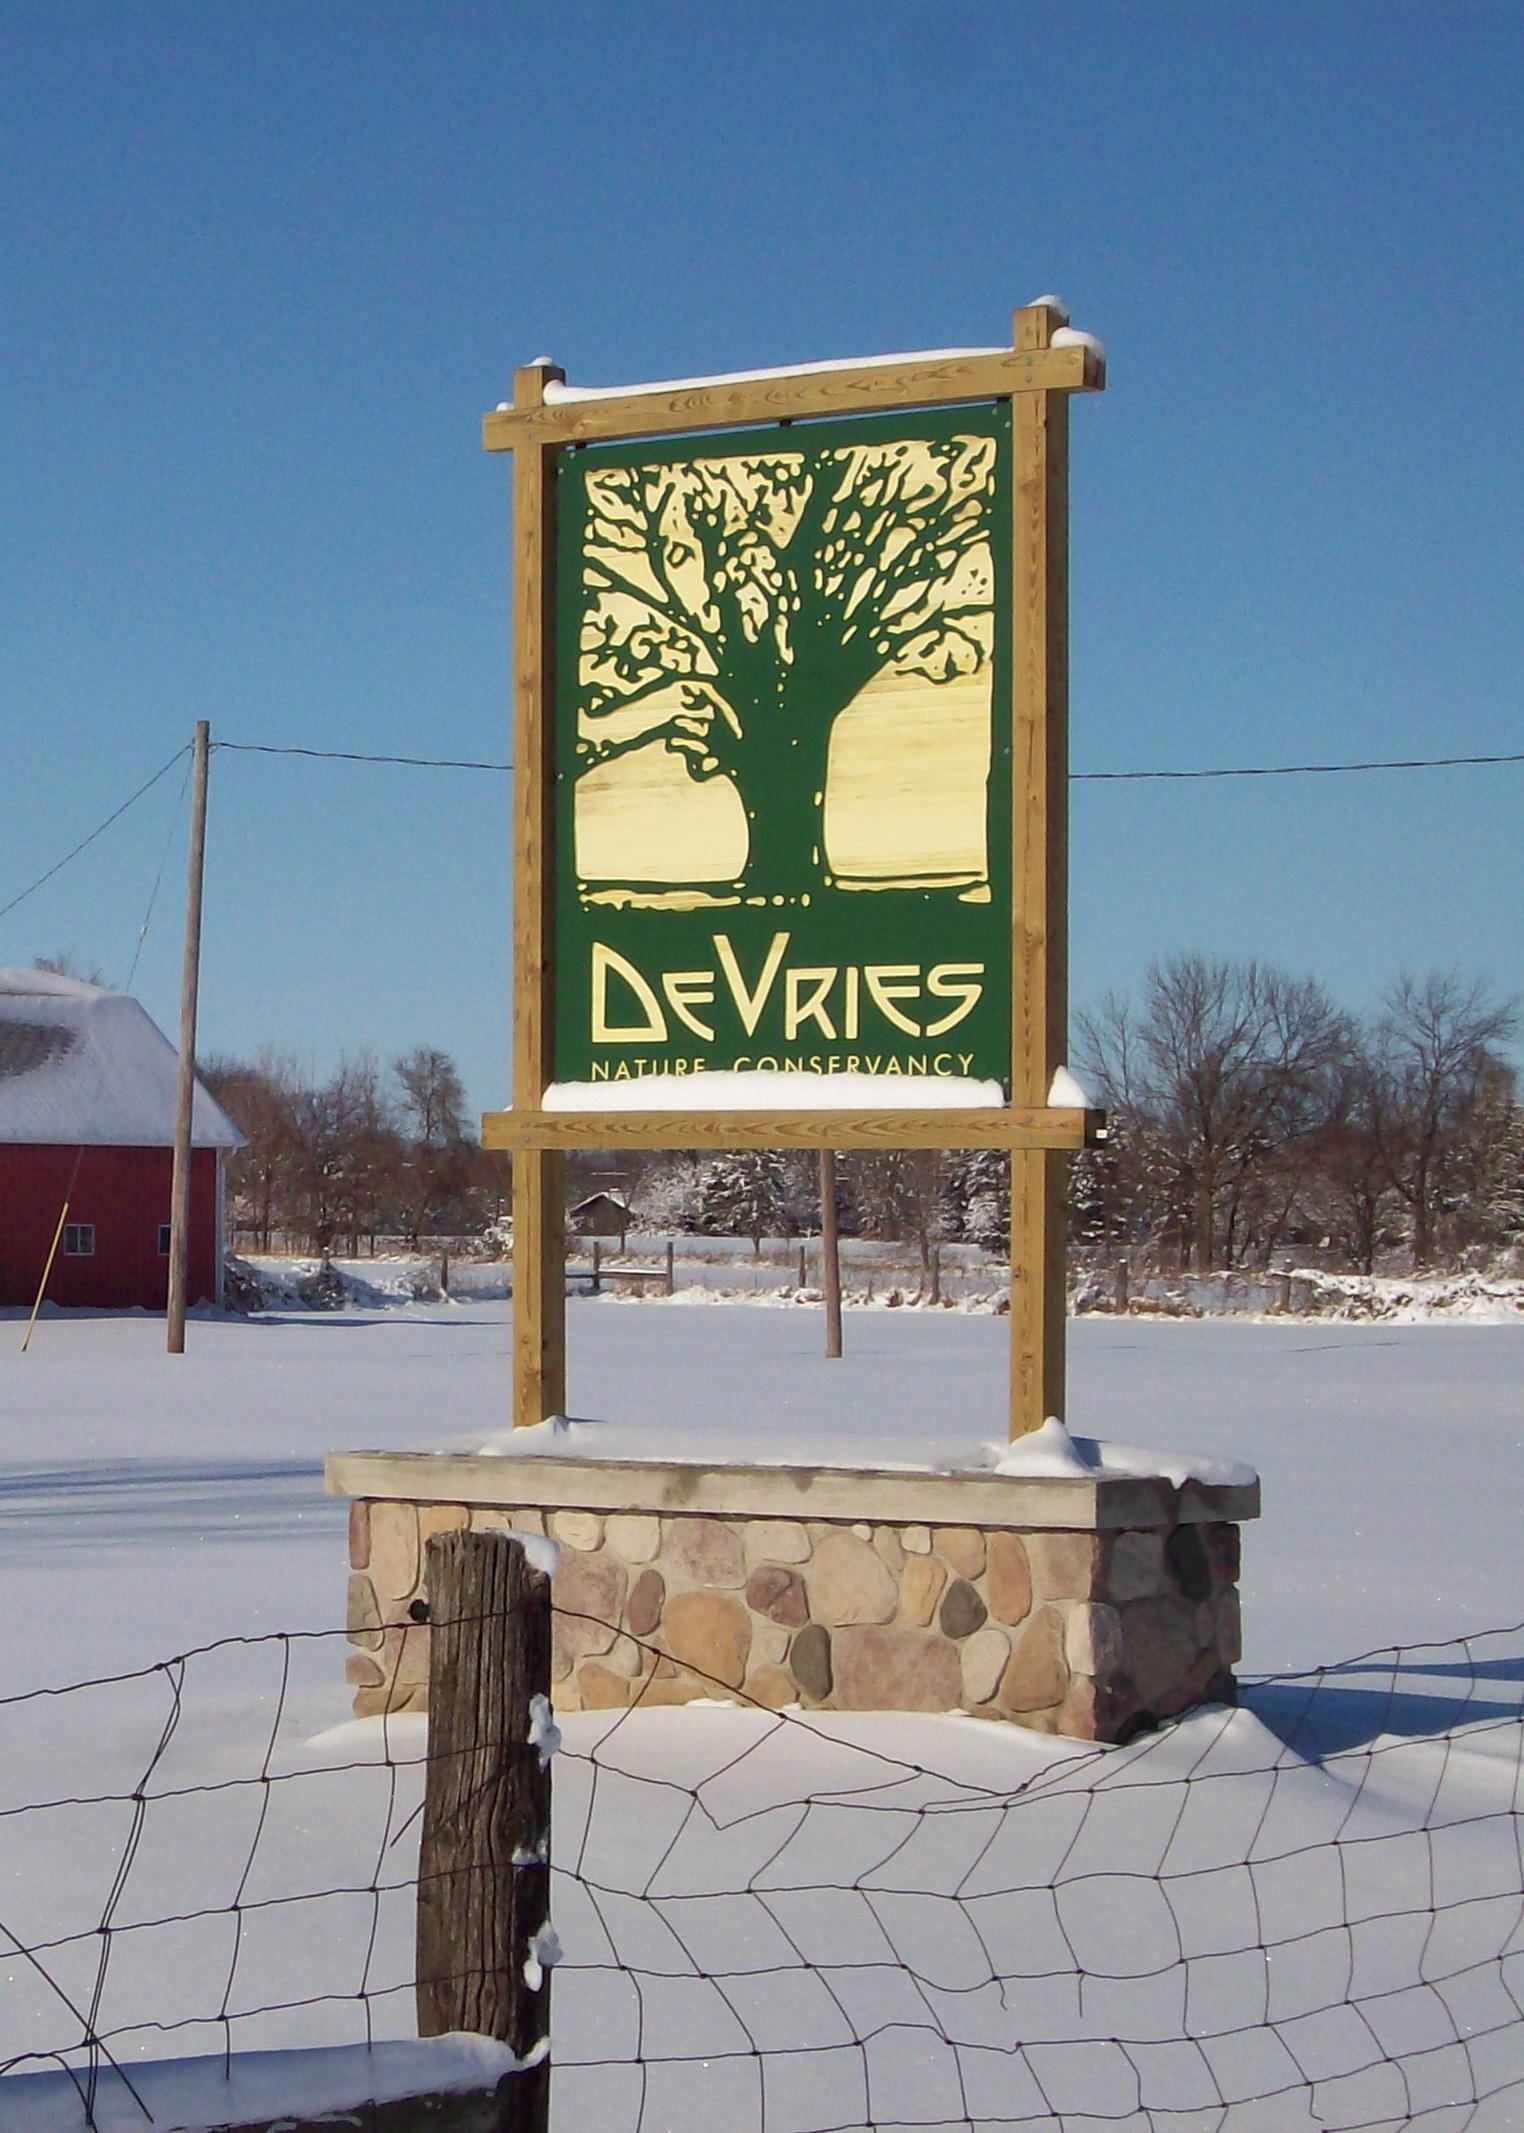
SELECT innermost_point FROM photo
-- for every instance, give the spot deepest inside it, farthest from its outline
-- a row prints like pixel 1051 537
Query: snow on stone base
pixel 262 2088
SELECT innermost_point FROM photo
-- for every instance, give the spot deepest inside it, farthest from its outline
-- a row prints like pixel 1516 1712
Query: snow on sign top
pixel 83 1066
pixel 555 391
pixel 758 1089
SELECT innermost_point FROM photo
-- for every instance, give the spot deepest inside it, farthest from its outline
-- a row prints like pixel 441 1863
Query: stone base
pixel 1089 1608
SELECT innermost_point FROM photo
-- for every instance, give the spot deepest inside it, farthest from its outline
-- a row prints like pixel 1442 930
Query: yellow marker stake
pixel 43 1284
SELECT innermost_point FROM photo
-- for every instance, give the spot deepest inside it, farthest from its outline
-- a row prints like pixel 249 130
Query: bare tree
pixel 261 1100
pixel 1439 1036
pixel 438 1165
pixel 1353 1198
pixel 1229 1065
pixel 346 1166
pixel 65 964
pixel 349 1157
pixel 369 1153
pixel 433 1096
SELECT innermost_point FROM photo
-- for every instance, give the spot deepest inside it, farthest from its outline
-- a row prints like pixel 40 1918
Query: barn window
pixel 163 1240
pixel 79 1240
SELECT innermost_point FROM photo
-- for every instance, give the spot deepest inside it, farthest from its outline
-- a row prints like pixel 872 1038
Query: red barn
pixel 87 1117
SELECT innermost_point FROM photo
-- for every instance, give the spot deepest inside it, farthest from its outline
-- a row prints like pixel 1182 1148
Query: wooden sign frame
pixel 1037 379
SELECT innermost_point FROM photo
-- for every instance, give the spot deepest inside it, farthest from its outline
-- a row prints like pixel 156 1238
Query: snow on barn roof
pixel 80 1065
pixel 600 1199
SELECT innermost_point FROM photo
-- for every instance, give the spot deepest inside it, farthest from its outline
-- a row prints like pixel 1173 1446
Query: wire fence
pixel 1306 1911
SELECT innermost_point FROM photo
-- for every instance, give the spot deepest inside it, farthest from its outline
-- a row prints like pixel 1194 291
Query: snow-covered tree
pixel 670 1192
pixel 897 1194
pixel 745 1193
pixel 979 1198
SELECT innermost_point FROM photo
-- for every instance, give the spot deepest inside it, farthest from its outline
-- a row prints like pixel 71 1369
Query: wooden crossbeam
pixel 1038 1126
pixel 853 390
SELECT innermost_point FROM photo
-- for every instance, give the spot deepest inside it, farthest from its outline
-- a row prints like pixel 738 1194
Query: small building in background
pixel 601 1214
pixel 87 1118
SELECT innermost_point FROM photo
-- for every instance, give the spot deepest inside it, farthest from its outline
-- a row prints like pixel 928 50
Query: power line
pixel 1076 777
pixel 153 894
pixel 1294 770
pixel 115 816
pixel 350 755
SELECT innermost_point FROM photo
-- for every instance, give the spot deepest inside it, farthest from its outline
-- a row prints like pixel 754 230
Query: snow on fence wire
pixel 1306 1912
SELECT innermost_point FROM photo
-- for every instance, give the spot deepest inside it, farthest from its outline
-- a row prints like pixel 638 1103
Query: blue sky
pixel 265 267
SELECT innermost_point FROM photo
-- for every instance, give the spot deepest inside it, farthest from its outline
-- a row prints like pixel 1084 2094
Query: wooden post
pixel 1039 838
pixel 597 1264
pixel 444 1273
pixel 484 1859
pixel 671 1268
pixel 830 1255
pixel 185 1087
pixel 42 1286
pixel 539 1185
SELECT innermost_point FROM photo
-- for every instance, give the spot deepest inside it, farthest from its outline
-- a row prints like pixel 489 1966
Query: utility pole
pixel 190 975
pixel 830 1258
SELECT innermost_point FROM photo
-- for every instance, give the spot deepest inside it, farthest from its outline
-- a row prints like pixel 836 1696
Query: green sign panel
pixel 783 753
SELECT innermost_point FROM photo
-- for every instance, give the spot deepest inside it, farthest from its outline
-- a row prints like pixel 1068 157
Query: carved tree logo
pixel 731 608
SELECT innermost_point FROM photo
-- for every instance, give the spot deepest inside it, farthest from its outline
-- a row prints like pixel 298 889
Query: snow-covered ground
pixel 149 1500
pixel 149 1504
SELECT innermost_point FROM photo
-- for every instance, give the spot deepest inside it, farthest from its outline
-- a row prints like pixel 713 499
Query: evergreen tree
pixel 899 1197
pixel 745 1194
pixel 986 1194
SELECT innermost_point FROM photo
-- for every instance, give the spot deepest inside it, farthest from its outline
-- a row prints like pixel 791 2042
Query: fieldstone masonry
pixel 1093 1628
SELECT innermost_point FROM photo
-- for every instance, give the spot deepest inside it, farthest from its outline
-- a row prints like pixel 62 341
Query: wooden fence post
pixel 484 1859
pixel 597 1265
pixel 671 1267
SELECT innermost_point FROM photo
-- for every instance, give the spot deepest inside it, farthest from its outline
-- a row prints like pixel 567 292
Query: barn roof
pixel 80 1065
